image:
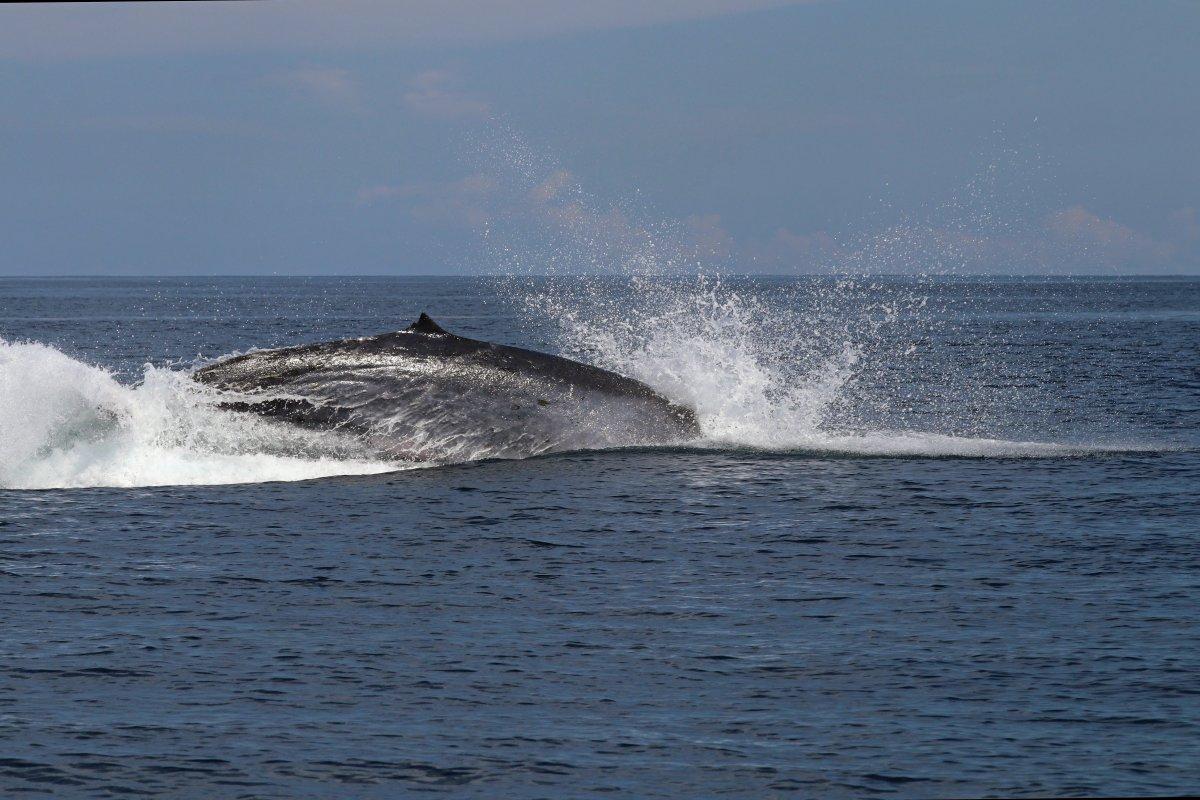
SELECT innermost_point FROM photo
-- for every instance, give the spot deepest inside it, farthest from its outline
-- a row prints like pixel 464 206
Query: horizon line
pixel 143 275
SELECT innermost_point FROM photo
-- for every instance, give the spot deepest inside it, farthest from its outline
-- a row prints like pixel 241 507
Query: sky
pixel 455 137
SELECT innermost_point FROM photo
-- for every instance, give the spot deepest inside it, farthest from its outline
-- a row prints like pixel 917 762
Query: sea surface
pixel 940 538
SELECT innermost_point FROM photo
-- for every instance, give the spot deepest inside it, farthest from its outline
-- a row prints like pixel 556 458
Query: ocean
pixel 940 538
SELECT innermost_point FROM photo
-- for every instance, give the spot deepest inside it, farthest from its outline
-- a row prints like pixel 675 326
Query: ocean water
pixel 940 538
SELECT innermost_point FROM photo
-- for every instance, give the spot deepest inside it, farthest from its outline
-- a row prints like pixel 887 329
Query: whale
pixel 425 394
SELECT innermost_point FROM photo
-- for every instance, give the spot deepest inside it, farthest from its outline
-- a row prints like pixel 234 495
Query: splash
pixel 64 424
pixel 701 345
pixel 842 363
pixel 846 361
pixel 719 349
pixel 817 367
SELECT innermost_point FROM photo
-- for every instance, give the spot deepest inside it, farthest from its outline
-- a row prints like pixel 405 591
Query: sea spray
pixel 869 340
pixel 64 423
pixel 800 367
pixel 767 363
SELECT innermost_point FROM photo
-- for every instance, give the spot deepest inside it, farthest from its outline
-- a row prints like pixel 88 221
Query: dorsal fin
pixel 425 324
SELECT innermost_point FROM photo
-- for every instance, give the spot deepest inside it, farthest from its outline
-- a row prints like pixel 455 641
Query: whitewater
pixel 66 423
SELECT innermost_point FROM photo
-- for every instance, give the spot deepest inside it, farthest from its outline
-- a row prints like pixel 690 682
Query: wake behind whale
pixel 424 394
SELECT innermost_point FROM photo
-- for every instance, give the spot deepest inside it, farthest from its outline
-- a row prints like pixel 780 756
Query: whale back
pixel 427 394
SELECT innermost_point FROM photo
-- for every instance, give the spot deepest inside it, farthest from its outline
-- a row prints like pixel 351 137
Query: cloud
pixel 545 215
pixel 75 30
pixel 1105 240
pixel 466 203
pixel 435 93
pixel 552 187
pixel 550 213
pixel 1068 240
pixel 330 86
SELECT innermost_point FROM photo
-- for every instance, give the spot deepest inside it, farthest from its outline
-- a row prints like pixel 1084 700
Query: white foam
pixel 756 381
pixel 64 423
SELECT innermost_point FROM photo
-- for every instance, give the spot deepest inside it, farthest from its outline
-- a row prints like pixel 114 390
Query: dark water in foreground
pixel 712 620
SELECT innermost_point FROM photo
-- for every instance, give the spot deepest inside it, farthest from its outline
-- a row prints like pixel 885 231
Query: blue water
pixel 966 566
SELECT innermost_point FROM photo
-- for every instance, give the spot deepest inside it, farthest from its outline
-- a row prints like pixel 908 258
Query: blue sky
pixel 399 137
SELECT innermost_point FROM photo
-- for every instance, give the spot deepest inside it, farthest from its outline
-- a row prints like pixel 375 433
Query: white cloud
pixel 1105 240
